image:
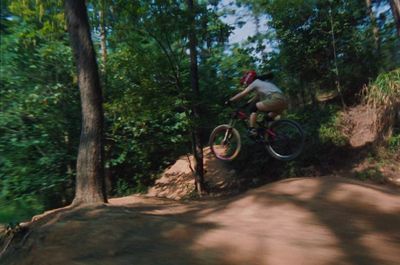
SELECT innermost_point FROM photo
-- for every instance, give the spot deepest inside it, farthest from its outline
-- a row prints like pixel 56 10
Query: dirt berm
pixel 327 220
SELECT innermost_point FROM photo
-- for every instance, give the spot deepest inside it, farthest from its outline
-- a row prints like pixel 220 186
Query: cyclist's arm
pixel 254 98
pixel 241 94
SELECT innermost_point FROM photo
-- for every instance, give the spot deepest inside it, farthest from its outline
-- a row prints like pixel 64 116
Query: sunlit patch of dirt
pixel 177 181
pixel 360 125
pixel 365 158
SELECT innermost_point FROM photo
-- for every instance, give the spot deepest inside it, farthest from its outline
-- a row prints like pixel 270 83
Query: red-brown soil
pixel 361 125
pixel 177 181
pixel 327 220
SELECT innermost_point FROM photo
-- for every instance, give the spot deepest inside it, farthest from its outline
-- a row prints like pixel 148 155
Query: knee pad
pixel 253 107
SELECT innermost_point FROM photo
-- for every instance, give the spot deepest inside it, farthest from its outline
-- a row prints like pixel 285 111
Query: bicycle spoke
pixel 285 140
pixel 225 142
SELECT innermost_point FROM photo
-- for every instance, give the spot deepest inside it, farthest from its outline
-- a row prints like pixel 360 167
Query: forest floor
pixel 317 219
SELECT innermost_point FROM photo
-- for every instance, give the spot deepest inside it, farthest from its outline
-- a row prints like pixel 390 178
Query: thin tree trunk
pixel 103 36
pixel 90 186
pixel 338 86
pixel 196 141
pixel 374 25
pixel 395 6
pixel 260 40
pixel 104 55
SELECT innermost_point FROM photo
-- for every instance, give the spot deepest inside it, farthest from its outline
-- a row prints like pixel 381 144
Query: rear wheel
pixel 285 139
pixel 225 142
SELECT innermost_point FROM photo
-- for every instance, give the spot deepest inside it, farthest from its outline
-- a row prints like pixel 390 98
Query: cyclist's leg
pixel 275 104
pixel 253 119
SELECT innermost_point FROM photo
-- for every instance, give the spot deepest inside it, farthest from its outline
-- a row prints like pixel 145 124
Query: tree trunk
pixel 90 186
pixel 196 141
pixel 103 36
pixel 374 26
pixel 395 6
pixel 337 81
pixel 104 55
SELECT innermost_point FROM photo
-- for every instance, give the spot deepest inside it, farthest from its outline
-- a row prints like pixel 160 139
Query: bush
pixel 18 210
pixel 383 96
pixel 394 143
pixel 371 174
pixel 330 133
pixel 384 91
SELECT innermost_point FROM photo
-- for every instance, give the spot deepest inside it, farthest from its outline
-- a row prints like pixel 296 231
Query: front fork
pixel 232 123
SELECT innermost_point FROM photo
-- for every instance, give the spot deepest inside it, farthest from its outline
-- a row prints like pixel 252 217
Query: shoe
pixel 252 132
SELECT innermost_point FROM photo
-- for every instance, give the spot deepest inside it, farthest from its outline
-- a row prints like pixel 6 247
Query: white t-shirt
pixel 263 88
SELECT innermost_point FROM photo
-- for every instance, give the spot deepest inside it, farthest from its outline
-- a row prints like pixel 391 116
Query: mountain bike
pixel 283 139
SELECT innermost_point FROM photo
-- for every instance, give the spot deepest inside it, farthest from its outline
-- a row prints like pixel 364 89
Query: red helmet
pixel 248 77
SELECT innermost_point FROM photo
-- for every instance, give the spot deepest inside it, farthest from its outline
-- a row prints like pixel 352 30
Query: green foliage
pixel 383 96
pixel 384 91
pixel 330 132
pixel 19 210
pixel 370 174
pixel 394 143
pixel 323 132
pixel 320 45
pixel 123 188
pixel 148 93
pixel 39 120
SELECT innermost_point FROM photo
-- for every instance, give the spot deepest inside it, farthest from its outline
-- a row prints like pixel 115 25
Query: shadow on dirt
pixel 135 234
pixel 311 221
pixel 363 224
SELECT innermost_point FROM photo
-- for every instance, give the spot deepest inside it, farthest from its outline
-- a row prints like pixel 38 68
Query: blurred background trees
pixel 317 49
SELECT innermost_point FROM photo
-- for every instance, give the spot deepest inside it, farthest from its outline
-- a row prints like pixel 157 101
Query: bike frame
pixel 240 115
pixel 268 133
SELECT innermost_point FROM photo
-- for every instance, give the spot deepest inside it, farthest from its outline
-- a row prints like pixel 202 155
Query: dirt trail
pixel 177 181
pixel 361 120
pixel 296 221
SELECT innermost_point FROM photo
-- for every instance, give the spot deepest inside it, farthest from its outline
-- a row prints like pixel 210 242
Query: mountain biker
pixel 268 97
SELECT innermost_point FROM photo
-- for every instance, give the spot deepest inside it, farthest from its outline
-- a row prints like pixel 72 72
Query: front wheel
pixel 225 142
pixel 285 139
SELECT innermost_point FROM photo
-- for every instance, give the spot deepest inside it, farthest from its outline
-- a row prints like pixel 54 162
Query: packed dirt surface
pixel 177 181
pixel 361 125
pixel 309 221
